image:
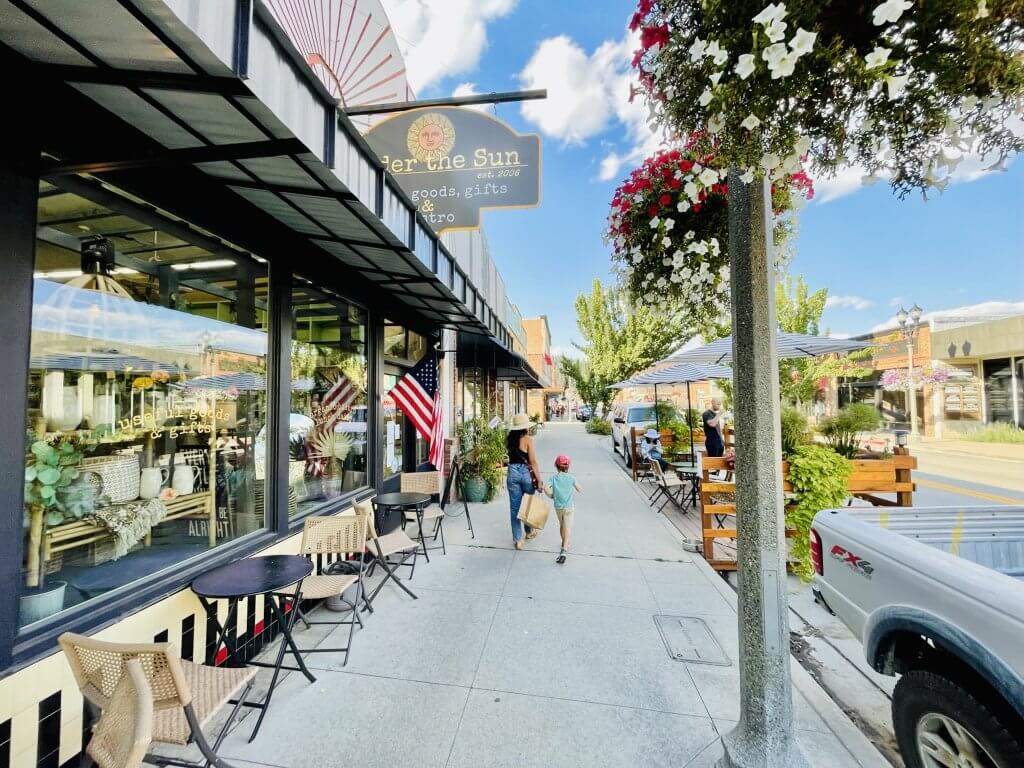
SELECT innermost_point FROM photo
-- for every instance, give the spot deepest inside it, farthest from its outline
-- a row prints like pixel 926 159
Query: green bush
pixel 794 430
pixel 995 433
pixel 842 431
pixel 599 427
pixel 483 451
pixel 819 477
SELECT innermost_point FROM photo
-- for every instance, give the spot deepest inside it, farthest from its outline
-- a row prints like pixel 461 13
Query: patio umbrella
pixel 681 373
pixel 789 345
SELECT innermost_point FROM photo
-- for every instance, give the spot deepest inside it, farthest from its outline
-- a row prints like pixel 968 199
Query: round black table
pixel 279 578
pixel 386 503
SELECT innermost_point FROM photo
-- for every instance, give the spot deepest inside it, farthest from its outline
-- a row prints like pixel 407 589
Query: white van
pixel 624 416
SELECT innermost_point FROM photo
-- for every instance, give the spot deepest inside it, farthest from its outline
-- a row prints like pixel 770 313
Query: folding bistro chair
pixel 429 483
pixel 383 548
pixel 668 486
pixel 185 696
pixel 124 732
pixel 341 535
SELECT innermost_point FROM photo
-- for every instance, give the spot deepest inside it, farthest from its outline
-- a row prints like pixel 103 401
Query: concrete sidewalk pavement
pixel 509 659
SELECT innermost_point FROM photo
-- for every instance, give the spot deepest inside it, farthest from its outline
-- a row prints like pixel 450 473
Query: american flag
pixel 419 396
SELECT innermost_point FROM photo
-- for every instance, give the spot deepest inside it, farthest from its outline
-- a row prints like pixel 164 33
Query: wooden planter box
pixel 869 478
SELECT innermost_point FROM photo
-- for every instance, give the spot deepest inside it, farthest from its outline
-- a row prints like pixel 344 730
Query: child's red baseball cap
pixel 562 461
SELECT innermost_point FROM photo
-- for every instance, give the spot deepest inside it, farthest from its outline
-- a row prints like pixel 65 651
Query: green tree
pixel 592 389
pixel 620 338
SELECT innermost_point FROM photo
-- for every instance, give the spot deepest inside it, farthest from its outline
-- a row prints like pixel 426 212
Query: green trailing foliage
pixel 483 452
pixel 842 431
pixel 819 478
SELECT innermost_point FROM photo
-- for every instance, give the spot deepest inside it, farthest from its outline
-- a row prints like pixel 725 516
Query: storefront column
pixel 279 401
pixel 19 189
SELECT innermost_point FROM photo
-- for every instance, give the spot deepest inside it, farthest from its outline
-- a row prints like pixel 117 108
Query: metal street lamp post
pixel 910 323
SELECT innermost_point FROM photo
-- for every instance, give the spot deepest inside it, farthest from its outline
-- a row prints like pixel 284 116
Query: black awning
pixel 478 351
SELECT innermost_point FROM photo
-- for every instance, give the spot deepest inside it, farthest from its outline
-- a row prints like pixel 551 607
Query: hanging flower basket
pixel 898 379
pixel 668 228
pixel 903 88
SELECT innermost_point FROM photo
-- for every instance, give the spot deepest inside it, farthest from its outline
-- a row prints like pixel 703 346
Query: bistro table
pixel 687 471
pixel 401 502
pixel 269 575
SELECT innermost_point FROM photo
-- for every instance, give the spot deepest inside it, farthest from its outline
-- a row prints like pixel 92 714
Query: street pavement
pixel 509 659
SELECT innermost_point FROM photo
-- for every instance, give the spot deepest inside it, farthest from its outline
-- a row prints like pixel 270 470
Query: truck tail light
pixel 819 564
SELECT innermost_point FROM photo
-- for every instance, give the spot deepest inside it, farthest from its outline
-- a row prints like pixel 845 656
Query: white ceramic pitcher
pixel 185 476
pixel 151 481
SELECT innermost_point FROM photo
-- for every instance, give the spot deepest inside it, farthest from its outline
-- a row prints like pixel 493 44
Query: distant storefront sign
pixel 454 162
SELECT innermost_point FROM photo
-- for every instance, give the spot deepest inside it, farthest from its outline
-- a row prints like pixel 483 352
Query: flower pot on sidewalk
pixel 474 489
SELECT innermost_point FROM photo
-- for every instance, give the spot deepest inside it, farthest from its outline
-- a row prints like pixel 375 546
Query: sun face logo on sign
pixel 454 162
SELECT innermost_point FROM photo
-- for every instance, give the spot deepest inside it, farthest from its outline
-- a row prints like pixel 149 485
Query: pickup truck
pixel 936 596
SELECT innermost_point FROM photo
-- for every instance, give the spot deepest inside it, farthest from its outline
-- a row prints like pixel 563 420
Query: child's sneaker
pixel 561 557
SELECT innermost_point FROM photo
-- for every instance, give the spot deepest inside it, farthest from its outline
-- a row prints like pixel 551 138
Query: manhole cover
pixel 688 638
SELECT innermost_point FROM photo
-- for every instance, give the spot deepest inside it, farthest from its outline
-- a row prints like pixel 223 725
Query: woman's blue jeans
pixel 519 482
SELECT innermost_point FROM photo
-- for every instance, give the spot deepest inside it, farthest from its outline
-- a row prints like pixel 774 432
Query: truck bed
pixel 992 537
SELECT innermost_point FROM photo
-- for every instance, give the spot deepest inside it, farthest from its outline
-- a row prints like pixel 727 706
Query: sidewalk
pixel 508 659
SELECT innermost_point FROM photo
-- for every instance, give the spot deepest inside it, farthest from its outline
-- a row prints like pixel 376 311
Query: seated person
pixel 650 448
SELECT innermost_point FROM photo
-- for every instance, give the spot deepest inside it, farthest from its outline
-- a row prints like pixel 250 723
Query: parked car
pixel 936 596
pixel 624 416
pixel 583 413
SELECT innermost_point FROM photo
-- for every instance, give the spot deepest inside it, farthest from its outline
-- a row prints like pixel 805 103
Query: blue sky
pixel 870 249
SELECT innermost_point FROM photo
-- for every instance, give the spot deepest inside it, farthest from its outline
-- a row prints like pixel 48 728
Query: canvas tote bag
pixel 535 510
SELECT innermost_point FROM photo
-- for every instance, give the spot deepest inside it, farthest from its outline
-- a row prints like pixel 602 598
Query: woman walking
pixel 523 472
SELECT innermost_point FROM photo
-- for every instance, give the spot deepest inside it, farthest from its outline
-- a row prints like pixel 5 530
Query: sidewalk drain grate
pixel 688 638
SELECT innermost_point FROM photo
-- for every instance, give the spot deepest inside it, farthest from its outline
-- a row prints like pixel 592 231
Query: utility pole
pixel 764 736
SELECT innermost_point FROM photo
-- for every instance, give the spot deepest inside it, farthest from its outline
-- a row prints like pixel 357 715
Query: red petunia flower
pixel 652 36
pixel 665 200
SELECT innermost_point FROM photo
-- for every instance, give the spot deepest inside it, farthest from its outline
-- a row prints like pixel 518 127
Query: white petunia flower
pixel 784 67
pixel 716 123
pixel 769 160
pixel 705 98
pixel 676 278
pixel 691 190
pixel 669 223
pixel 714 78
pixel 708 177
pixel 771 13
pixel 877 57
pixel 896 85
pixel 802 42
pixel 774 53
pixel 890 11
pixel 697 50
pixel 666 241
pixel 690 235
pixel 776 31
pixel 750 122
pixel 655 222
pixel 683 206
pixel 718 54
pixel 666 262
pixel 745 66
pixel 747 176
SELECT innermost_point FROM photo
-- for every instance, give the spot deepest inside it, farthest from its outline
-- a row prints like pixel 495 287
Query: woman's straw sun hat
pixel 519 421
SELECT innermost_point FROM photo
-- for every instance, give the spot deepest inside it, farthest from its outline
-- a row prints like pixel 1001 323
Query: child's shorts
pixel 565 516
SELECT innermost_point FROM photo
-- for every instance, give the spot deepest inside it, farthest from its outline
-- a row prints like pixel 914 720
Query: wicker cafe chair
pixel 185 696
pixel 123 734
pixel 669 486
pixel 341 535
pixel 429 483
pixel 383 548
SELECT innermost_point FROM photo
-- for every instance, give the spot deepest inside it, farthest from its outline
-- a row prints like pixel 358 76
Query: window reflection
pixel 327 425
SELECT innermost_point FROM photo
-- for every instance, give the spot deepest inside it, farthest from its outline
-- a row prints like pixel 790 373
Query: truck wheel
pixel 941 724
pixel 625 455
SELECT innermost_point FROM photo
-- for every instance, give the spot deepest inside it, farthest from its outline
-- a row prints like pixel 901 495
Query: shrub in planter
pixel 599 427
pixel 482 449
pixel 794 430
pixel 842 431
pixel 902 88
pixel 819 478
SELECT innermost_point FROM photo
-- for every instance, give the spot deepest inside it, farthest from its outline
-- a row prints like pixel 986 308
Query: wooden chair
pixel 383 548
pixel 340 536
pixel 641 467
pixel 429 483
pixel 185 696
pixel 124 732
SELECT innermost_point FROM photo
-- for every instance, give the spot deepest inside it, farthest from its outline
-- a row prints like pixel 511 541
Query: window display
pixel 327 426
pixel 146 393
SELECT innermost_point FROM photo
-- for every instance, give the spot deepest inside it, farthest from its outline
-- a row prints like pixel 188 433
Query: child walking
pixel 562 489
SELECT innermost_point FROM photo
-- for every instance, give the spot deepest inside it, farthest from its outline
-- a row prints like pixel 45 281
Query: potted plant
pixel 54 494
pixel 482 451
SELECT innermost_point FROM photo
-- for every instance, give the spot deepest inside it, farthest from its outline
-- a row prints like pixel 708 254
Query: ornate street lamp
pixel 910 324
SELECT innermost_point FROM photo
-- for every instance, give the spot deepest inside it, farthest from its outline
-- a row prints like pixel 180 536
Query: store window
pixel 999 390
pixel 394 341
pixel 146 393
pixel 398 433
pixel 394 423
pixel 327 446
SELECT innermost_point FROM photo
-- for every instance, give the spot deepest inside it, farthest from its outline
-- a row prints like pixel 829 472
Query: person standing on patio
pixel 712 418
pixel 523 472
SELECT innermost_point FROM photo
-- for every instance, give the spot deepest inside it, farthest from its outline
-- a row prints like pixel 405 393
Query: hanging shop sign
pixel 454 162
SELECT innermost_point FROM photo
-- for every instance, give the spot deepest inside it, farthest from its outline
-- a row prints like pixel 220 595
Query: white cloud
pixel 897 301
pixel 986 309
pixel 835 335
pixel 439 38
pixel 469 89
pixel 586 94
pixel 848 302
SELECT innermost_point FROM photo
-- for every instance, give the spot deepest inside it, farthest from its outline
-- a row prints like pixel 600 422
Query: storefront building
pixel 210 286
